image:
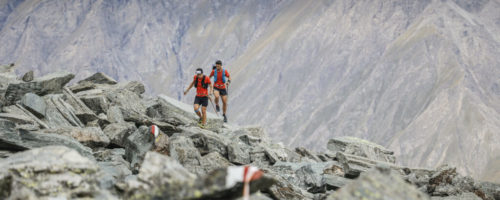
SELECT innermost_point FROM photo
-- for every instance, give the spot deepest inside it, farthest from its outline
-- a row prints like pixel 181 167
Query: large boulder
pixel 208 142
pixel 113 167
pixel 100 78
pixel 360 147
pixel 35 104
pixel 88 136
pixel 59 113
pixel 183 150
pixel 84 113
pixel 184 113
pixel 28 76
pixel 137 145
pixel 94 99
pixel 380 183
pixel 118 132
pixel 214 161
pixel 17 140
pixel 48 172
pixel 51 83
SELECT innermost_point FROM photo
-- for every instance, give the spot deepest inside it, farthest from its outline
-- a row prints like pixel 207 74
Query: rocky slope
pixel 93 140
pixel 418 76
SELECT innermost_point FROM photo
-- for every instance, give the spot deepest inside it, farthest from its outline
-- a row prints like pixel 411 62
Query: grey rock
pixel 97 103
pixel 490 189
pixel 89 136
pixel 162 143
pixel 84 113
pixel 238 152
pixel 115 114
pixel 100 78
pixel 360 147
pixel 28 76
pixel 183 150
pixel 214 161
pixel 20 110
pixel 59 113
pixel 137 145
pixel 113 168
pixel 136 87
pixel 34 104
pixel 118 133
pixel 209 142
pixel 18 119
pixel 82 86
pixel 52 83
pixel 463 196
pixel 307 154
pixel 378 184
pixel 54 171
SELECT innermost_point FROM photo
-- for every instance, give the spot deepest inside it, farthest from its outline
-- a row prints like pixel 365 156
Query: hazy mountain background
pixel 420 77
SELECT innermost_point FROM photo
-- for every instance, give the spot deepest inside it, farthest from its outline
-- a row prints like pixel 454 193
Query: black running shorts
pixel 222 92
pixel 203 101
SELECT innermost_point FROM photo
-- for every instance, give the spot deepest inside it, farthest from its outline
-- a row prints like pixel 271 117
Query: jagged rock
pixel 183 150
pixel 380 183
pixel 88 136
pixel 95 100
pixel 238 152
pixel 52 83
pixel 54 171
pixel 490 189
pixel 360 147
pixel 115 114
pixel 127 100
pixel 354 165
pixel 152 184
pixel 81 110
pixel 28 76
pixel 462 196
pixel 208 142
pixel 59 113
pixel 213 161
pixel 113 167
pixel 284 190
pixel 82 86
pixel 276 153
pixel 184 114
pixel 118 133
pixel 137 145
pixel 34 104
pixel 161 144
pixel 100 78
pixel 18 119
pixel 136 87
pixel 307 154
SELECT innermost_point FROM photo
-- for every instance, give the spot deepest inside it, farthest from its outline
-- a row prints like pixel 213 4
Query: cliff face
pixel 418 76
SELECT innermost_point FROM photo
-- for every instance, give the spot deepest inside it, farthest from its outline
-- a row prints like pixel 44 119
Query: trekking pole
pixel 213 105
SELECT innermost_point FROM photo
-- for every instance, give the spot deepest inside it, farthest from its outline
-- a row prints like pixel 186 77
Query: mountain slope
pixel 418 76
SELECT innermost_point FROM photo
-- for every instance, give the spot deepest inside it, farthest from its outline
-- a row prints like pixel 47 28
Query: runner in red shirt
pixel 202 83
pixel 221 80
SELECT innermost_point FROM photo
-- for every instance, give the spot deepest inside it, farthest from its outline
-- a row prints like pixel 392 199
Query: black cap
pixel 213 67
pixel 218 62
pixel 199 70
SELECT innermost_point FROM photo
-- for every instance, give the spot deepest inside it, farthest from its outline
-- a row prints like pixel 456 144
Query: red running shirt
pixel 219 84
pixel 200 91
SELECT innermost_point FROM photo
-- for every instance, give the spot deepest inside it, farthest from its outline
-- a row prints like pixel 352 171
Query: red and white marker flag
pixel 155 130
pixel 244 174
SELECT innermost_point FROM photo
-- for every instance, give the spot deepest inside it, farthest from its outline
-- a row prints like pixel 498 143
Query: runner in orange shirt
pixel 220 86
pixel 202 83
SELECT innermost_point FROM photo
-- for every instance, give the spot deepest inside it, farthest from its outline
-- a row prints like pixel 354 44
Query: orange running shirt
pixel 219 84
pixel 200 91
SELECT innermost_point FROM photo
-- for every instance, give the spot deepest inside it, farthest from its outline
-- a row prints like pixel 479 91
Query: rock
pixel 214 161
pixel 20 110
pixel 82 86
pixel 113 167
pixel 100 78
pixel 378 184
pixel 257 196
pixel 28 76
pixel 220 189
pixel 136 87
pixel 161 144
pixel 115 114
pixel 182 149
pixel 307 154
pixel 209 142
pixel 447 182
pixel 490 189
pixel 59 113
pixel 362 148
pixel 118 133
pixel 34 104
pixel 137 145
pixel 354 165
pixel 463 196
pixel 48 172
pixel 18 119
pixel 127 100
pixel 184 114
pixel 238 152
pixel 89 136
pixel 49 84
pixel 152 184
pixel 84 113
pixel 96 102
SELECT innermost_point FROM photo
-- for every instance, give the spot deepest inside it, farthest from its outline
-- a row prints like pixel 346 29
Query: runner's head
pixel 218 63
pixel 199 72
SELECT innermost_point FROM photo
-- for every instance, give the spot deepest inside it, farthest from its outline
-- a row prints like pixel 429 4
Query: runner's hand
pixel 185 92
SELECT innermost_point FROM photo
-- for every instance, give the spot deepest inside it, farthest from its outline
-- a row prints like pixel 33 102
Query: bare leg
pixel 204 111
pixel 196 107
pixel 216 93
pixel 224 102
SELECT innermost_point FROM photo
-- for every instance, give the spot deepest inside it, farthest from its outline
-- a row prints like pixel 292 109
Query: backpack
pixel 223 75
pixel 203 82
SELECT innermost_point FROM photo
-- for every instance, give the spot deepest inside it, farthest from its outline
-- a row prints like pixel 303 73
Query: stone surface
pixel 100 78
pixel 28 76
pixel 59 113
pixel 137 145
pixel 214 161
pixel 34 104
pixel 182 149
pixel 48 172
pixel 90 136
pixel 84 113
pixel 360 147
pixel 52 83
pixel 113 168
pixel 378 184
pixel 118 133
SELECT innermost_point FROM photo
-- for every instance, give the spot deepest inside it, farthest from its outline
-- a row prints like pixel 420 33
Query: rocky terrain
pixel 92 139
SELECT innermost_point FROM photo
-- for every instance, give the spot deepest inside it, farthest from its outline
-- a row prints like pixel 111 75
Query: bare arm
pixel 190 86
